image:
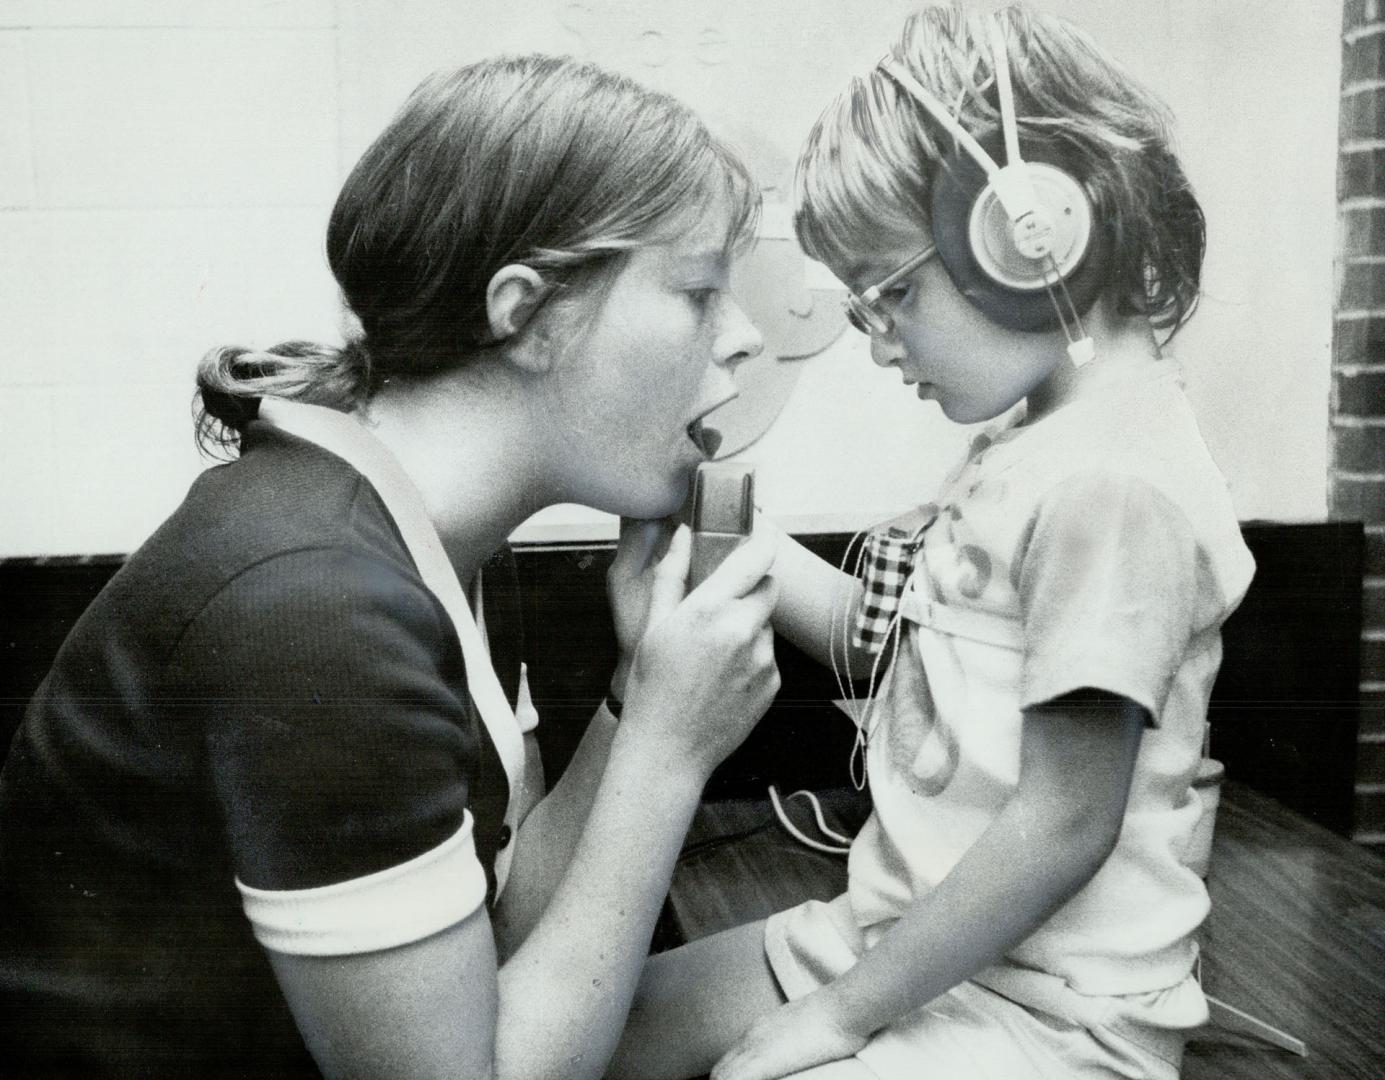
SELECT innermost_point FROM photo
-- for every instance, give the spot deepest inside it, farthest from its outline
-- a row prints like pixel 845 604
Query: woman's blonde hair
pixel 545 161
pixel 871 158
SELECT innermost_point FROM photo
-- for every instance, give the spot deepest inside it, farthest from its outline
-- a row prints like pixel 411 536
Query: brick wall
pixel 1358 399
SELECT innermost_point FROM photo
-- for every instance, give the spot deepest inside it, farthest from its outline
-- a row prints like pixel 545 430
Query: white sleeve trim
pixel 396 906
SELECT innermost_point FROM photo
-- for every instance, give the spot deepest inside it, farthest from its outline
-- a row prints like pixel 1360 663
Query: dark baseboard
pixel 1285 709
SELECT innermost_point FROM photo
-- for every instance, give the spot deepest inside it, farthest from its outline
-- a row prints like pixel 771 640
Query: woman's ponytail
pixel 231 381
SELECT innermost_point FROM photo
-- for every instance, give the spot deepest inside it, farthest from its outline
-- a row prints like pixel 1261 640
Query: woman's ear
pixel 513 294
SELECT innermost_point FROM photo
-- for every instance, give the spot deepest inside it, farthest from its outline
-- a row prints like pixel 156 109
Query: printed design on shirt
pixel 922 747
pixel 974 571
pixel 971 566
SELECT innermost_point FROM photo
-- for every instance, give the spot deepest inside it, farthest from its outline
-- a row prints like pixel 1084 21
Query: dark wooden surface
pixel 1296 936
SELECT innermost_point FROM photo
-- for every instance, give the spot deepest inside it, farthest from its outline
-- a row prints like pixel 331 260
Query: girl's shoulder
pixel 1145 429
pixel 1135 455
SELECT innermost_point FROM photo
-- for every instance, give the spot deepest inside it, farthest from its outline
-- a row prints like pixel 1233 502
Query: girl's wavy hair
pixel 869 163
pixel 545 161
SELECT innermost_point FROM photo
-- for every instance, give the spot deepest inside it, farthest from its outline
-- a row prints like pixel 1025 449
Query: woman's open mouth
pixel 705 438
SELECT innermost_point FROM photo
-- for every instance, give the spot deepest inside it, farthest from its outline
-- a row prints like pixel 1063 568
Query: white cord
pixel 1081 349
pixel 866 724
pixel 845 689
pixel 843 844
pixel 860 714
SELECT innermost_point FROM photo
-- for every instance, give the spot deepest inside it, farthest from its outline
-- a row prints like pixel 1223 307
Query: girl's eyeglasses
pixel 866 313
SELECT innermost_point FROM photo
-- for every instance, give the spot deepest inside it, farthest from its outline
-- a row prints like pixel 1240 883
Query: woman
pixel 251 824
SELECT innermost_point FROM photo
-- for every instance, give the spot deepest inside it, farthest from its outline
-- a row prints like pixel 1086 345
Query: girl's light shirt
pixel 1095 548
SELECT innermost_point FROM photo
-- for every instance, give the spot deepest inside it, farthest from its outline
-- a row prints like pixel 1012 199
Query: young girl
pixel 1021 241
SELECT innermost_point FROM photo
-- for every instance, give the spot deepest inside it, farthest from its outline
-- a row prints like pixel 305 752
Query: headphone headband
pixel 1013 233
pixel 1013 184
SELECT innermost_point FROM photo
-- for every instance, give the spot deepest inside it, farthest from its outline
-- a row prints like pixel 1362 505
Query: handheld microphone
pixel 723 514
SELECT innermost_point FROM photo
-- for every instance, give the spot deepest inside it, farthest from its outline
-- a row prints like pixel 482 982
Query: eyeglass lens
pixel 864 318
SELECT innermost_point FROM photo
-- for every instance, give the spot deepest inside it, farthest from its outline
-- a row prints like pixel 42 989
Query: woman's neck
pixel 462 439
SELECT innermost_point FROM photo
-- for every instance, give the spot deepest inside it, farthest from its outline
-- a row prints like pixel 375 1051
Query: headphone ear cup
pixel 999 281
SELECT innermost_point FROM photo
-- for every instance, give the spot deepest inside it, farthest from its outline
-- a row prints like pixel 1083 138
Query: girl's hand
pixel 629 585
pixel 794 1037
pixel 704 672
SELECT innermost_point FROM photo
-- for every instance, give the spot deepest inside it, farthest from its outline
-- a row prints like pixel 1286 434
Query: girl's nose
pixel 885 349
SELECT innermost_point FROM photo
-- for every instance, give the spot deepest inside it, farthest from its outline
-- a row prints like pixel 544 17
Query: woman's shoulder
pixel 282 494
pixel 285 531
pixel 332 617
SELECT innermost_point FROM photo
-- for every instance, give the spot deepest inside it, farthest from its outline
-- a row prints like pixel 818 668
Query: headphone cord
pixel 841 844
pixel 1081 349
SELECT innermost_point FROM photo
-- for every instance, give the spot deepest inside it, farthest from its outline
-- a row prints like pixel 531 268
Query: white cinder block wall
pixel 165 175
pixel 166 168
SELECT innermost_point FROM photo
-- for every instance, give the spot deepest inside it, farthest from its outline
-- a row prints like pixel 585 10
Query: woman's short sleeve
pixel 339 747
pixel 1110 586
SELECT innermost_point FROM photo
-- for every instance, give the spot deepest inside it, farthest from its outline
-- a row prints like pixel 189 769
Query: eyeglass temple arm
pixel 873 293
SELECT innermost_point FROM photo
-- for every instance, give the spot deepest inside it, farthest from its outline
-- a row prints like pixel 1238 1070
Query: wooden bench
pixel 1296 935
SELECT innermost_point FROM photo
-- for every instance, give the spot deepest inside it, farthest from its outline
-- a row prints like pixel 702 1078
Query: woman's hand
pixel 794 1037
pixel 704 672
pixel 629 584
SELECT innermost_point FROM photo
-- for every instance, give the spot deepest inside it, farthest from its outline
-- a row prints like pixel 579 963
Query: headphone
pixel 1013 237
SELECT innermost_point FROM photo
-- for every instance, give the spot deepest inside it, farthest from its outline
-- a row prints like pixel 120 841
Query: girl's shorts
pixel 1006 1024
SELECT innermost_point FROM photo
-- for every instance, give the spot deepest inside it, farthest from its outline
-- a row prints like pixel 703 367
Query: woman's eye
pixel 896 294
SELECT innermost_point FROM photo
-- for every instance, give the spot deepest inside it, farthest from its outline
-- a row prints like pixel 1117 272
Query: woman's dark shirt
pixel 265 691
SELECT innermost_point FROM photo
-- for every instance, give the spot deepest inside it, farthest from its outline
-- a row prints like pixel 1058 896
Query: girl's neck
pixel 1125 347
pixel 462 439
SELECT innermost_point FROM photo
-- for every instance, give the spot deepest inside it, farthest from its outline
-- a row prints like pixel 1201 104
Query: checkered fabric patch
pixel 887 562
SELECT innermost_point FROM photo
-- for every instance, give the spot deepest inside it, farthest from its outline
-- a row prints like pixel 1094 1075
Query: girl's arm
pixel 816 610
pixel 817 604
pixel 438 1007
pixel 1077 758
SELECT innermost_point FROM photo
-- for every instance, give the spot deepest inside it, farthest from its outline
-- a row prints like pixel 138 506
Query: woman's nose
pixel 740 339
